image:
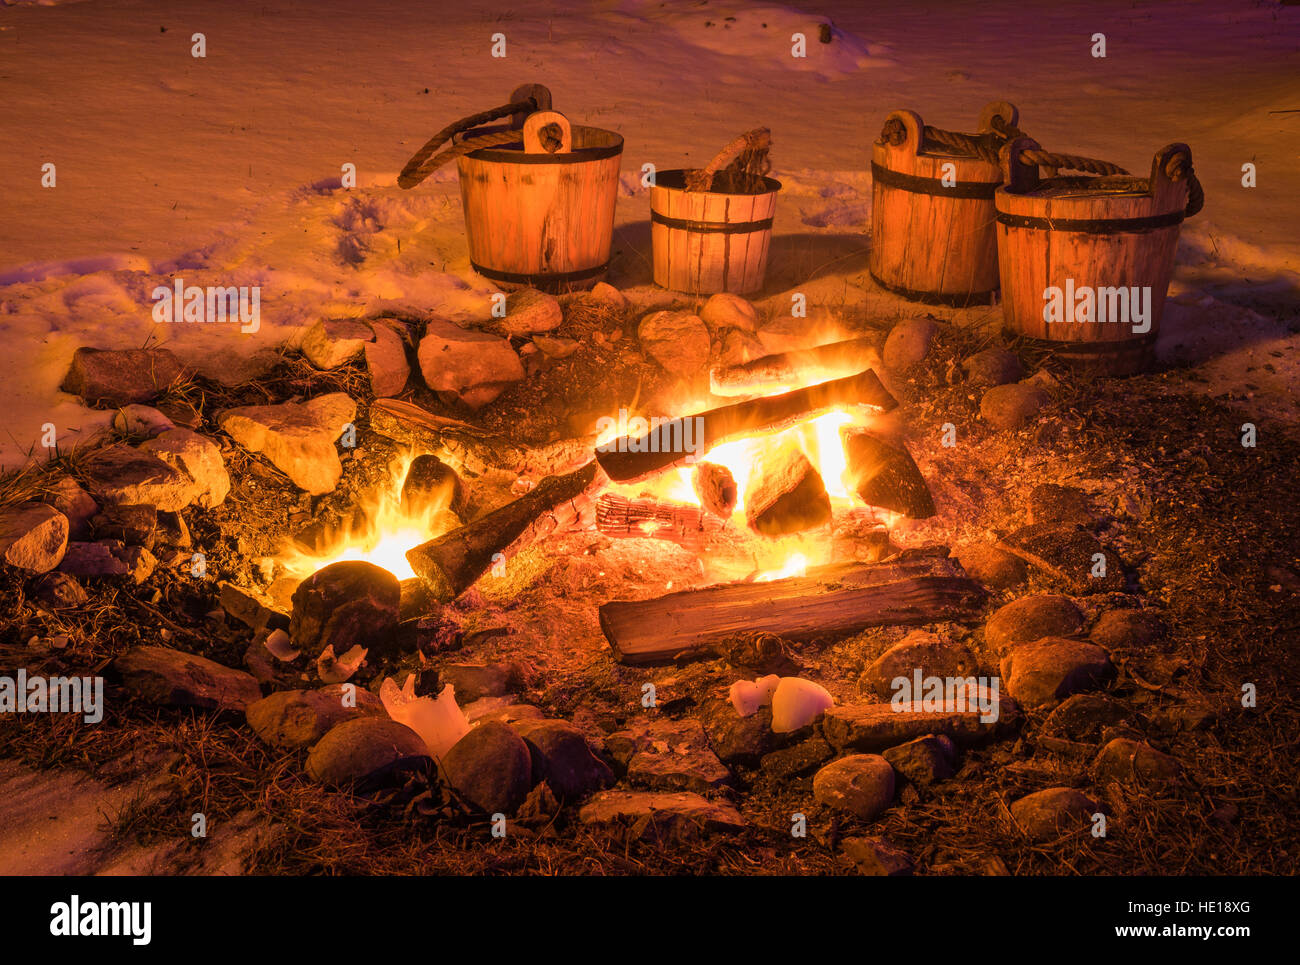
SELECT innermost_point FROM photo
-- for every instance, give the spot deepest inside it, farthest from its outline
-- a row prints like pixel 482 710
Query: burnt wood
pixel 884 475
pixel 673 441
pixel 786 370
pixel 679 523
pixel 830 602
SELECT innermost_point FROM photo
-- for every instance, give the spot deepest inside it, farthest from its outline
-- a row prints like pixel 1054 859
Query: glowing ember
pixel 385 531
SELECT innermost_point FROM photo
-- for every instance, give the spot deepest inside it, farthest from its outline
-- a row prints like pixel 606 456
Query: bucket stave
pixel 706 242
pixel 932 214
pixel 1086 261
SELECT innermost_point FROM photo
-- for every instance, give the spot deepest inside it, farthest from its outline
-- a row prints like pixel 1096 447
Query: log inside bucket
pixel 1086 261
pixel 932 231
pixel 711 229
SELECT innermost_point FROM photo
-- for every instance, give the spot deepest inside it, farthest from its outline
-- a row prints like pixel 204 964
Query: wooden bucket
pixel 934 242
pixel 1115 237
pixel 540 219
pixel 706 242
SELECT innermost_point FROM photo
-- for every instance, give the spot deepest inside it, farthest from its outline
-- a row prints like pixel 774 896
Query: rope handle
pixel 524 100
pixel 1178 167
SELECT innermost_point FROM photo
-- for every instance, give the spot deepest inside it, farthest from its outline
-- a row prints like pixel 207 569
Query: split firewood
pixel 679 523
pixel 469 448
pixel 716 488
pixel 791 370
pixel 454 561
pixel 828 603
pixel 673 440
pixel 785 492
pixel 884 475
pixel 429 480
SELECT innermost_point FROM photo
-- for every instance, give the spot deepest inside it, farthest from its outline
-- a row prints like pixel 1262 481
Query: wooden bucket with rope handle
pixel 538 193
pixel 711 228
pixel 932 237
pixel 1086 260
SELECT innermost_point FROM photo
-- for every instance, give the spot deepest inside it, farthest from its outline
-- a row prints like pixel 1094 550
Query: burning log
pixel 785 494
pixel 786 370
pixel 831 601
pixel 716 488
pixel 470 448
pixel 452 562
pixel 884 475
pixel 685 525
pixel 672 441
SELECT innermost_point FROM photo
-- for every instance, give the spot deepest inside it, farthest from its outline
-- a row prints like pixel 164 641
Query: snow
pixel 226 170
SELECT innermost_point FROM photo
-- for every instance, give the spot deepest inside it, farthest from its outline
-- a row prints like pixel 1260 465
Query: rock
pixel 117 378
pixel 500 708
pixel 995 568
pixel 1011 406
pixel 59 590
pixel 1072 556
pixel 679 341
pixel 199 458
pixel 386 360
pixel 1086 717
pixel 740 347
pixel 252 609
pixel 796 760
pixel 860 784
pixel 674 755
pixel 529 312
pixel 289 719
pixel 1031 618
pixel 738 740
pixel 908 343
pixel 130 525
pixel 297 437
pixel 141 420
pixel 932 654
pixel 490 767
pixel 725 310
pixel 926 760
pixel 562 759
pixel 473 680
pixel 1126 761
pixel 172 678
pixel 1063 505
pixel 1046 815
pixel 1047 670
pixel 466 366
pixel 606 294
pixel 108 558
pixel 121 474
pixel 33 537
pixel 334 342
pixel 678 815
pixel 993 366
pixel 343 605
pixel 877 726
pixel 1128 629
pixel 365 752
pixel 878 857
pixel 428 481
pixel 790 334
pixel 65 495
pixel 556 348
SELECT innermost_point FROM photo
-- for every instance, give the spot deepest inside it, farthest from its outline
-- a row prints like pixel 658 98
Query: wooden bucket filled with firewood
pixel 1086 261
pixel 711 228
pixel 538 193
pixel 932 236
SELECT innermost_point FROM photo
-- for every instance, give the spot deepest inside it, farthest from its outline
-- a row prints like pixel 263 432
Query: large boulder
pixel 933 655
pixel 162 675
pixel 877 726
pixel 680 814
pixel 908 343
pixel 386 359
pixel 120 474
pixel 1045 815
pixel 297 437
pixel 1041 673
pixel 1032 618
pixel 343 605
pixel 290 719
pixel 725 310
pixel 364 752
pixel 562 758
pixel 679 341
pixel 198 457
pixel 1011 406
pixel 860 784
pixel 334 342
pixel 466 366
pixel 530 312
